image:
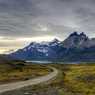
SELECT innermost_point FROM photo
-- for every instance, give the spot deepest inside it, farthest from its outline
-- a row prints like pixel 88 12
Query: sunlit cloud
pixel 24 21
pixel 7 50
pixel 8 45
pixel 37 39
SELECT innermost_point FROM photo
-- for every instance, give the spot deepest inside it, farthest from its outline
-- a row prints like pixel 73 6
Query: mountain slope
pixel 80 48
pixel 78 41
pixel 39 51
pixel 77 47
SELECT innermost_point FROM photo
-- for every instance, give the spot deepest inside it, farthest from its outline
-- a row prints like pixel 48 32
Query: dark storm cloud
pixel 15 4
pixel 76 14
pixel 61 17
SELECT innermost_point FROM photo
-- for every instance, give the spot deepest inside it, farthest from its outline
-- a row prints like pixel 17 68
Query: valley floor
pixel 73 79
pixel 14 71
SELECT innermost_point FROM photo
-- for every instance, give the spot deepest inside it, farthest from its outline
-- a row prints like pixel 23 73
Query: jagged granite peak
pixel 74 34
pixel 56 40
pixel 76 40
pixel 44 43
pixel 83 36
pixel 42 50
pixel 76 47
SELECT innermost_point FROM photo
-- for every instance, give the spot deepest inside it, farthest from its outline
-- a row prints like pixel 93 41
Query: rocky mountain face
pixel 77 47
pixel 76 40
pixel 39 51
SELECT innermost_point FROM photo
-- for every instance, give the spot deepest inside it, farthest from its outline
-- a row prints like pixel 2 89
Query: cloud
pixel 74 14
pixel 57 18
pixel 71 13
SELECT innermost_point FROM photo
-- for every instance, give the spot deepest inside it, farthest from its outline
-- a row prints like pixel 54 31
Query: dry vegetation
pixel 17 71
pixel 72 79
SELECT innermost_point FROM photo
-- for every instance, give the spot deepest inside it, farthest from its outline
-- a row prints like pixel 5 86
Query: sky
pixel 24 21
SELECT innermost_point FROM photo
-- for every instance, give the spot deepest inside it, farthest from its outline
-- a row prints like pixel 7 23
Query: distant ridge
pixel 76 47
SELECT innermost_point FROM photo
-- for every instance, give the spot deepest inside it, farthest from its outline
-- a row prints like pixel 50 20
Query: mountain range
pixel 76 47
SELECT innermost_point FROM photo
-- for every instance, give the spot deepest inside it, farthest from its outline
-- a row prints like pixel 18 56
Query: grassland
pixel 78 79
pixel 17 70
pixel 73 79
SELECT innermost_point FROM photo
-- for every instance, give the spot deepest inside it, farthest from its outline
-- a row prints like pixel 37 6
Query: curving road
pixel 17 85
